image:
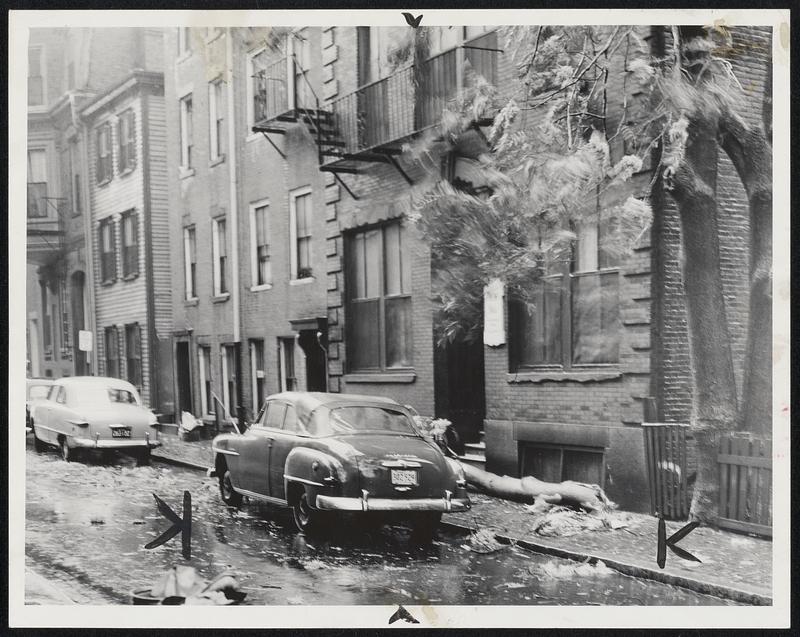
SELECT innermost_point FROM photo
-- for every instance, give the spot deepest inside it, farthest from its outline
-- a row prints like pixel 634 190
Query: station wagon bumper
pixel 89 443
pixel 365 503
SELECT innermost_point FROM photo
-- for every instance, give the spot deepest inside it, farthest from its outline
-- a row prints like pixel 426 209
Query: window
pixel 300 230
pixel 275 414
pixel 36 83
pixel 257 373
pixel 37 183
pixel 216 106
pixel 555 463
pixel 374 47
pixel 219 255
pixel 301 48
pixel 378 287
pixel 229 378
pixel 575 315
pixel 126 138
pixel 190 262
pixel 111 343
pixel 104 169
pixel 186 132
pixel 130 243
pixel 75 162
pixel 259 86
pixel 47 322
pixel 184 41
pixel 288 377
pixel 204 360
pixel 261 268
pixel 108 251
pixel 133 354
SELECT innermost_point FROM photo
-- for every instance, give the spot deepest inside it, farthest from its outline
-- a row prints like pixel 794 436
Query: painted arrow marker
pixel 402 613
pixel 671 542
pixel 179 525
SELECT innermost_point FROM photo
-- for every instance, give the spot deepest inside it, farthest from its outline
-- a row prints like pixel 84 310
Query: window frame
pixel 111 335
pixel 294 239
pixel 40 207
pixel 216 121
pixel 133 216
pixel 218 266
pixel 43 75
pixel 255 272
pixel 184 42
pixel 405 274
pixel 106 262
pixel 250 92
pixel 126 145
pixel 229 379
pixel 186 131
pixel 104 162
pixel 190 262
pixel 257 385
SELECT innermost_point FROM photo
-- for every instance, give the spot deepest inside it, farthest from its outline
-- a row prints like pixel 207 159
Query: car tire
pixel 39 445
pixel 306 517
pixel 229 495
pixel 143 458
pixel 67 453
pixel 424 527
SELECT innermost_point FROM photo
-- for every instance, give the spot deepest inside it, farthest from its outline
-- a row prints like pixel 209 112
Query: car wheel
pixel 38 444
pixel 143 458
pixel 229 495
pixel 424 527
pixel 67 453
pixel 306 517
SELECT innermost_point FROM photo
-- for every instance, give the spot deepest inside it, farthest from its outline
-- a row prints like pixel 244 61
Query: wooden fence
pixel 745 489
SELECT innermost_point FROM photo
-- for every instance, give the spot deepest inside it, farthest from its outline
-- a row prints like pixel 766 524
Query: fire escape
pixel 371 124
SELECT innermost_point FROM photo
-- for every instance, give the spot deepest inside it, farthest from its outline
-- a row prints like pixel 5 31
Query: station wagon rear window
pixel 36 392
pixel 353 419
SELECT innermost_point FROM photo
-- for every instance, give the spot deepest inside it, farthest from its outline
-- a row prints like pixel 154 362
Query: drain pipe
pixel 234 225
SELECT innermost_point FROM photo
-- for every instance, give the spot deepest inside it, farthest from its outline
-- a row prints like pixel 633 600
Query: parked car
pixel 320 453
pixel 36 389
pixel 92 412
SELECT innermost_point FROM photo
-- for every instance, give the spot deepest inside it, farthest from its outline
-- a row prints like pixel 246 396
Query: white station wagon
pixel 92 412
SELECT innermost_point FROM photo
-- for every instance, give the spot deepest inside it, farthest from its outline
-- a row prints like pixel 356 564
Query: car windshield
pixel 100 394
pixel 359 418
pixel 36 392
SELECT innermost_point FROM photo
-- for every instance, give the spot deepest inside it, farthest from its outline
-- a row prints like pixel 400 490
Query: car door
pixel 253 448
pixel 59 413
pixel 44 416
pixel 283 442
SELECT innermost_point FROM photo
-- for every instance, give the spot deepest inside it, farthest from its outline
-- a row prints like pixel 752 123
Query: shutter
pixel 132 140
pixel 121 150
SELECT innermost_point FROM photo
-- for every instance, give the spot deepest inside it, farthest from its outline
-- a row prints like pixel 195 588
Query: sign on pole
pixel 85 340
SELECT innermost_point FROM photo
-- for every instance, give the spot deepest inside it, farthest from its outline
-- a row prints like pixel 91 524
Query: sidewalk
pixel 734 566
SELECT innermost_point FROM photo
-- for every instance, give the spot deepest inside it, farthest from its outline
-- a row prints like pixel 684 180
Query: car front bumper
pixel 447 503
pixel 89 443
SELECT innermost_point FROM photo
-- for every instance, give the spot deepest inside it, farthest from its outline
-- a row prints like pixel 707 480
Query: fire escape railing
pixel 271 94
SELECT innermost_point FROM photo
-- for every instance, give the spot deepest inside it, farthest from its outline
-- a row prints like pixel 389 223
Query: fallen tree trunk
pixel 529 489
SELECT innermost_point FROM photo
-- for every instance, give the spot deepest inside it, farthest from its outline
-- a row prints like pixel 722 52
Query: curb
pixel 179 462
pixel 698 586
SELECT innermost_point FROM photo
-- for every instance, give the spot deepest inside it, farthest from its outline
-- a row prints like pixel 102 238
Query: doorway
pixel 184 371
pixel 459 391
pixel 315 349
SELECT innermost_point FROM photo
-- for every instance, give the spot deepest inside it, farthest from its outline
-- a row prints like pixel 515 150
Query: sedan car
pixel 36 389
pixel 92 412
pixel 320 453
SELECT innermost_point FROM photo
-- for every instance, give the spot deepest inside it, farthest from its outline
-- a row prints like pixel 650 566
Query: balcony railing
pixel 271 94
pixel 392 108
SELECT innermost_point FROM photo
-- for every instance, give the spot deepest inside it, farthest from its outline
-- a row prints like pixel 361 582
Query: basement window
pixel 556 463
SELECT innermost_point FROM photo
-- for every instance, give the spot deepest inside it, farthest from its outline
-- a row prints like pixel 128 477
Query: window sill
pixel 186 172
pixel 252 136
pixel 216 161
pixel 583 376
pixel 259 288
pixel 303 281
pixel 108 282
pixel 103 183
pixel 220 298
pixel 127 171
pixel 381 377
pixel 131 276
pixel 191 302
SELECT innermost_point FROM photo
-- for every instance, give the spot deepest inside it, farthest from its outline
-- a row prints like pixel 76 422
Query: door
pixel 459 387
pixel 184 371
pixel 314 349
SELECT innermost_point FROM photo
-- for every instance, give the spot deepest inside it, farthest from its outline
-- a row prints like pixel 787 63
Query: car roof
pixel 307 402
pixel 40 381
pixel 96 380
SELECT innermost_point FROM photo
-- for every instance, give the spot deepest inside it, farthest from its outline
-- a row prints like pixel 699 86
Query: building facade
pixel 97 207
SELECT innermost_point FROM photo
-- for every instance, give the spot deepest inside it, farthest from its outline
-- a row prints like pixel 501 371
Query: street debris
pixel 567 570
pixel 562 521
pixel 484 541
pixel 182 585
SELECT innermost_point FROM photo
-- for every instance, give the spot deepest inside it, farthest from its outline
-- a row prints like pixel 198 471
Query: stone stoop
pixel 475 453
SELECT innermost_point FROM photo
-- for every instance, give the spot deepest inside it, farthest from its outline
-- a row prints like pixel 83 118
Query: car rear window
pixel 100 395
pixel 352 419
pixel 36 392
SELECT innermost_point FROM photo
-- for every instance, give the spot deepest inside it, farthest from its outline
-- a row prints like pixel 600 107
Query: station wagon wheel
pixel 229 495
pixel 306 518
pixel 143 458
pixel 66 453
pixel 38 444
pixel 424 527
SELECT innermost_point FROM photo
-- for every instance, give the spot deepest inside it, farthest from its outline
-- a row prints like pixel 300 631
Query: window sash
pixel 103 165
pixel 190 262
pixel 130 244
pixel 133 354
pixel 204 356
pixel 219 256
pixel 108 253
pixel 300 234
pixel 127 141
pixel 186 132
pixel 215 118
pixel 112 351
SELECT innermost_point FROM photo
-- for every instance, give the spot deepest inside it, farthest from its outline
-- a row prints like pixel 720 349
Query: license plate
pixel 121 433
pixel 404 477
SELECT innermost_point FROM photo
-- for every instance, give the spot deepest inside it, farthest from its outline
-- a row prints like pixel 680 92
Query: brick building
pixel 247 221
pixel 96 205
